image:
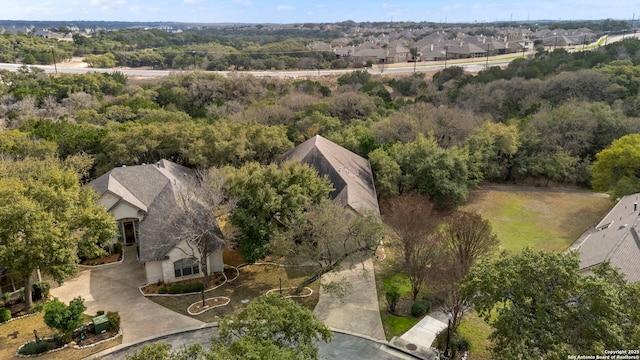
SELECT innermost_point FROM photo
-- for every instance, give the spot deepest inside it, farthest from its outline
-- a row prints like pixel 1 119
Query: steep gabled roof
pixel 152 188
pixel 349 173
pixel 615 239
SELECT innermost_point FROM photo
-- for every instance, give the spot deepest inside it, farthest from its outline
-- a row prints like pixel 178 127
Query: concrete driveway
pixel 358 312
pixel 115 288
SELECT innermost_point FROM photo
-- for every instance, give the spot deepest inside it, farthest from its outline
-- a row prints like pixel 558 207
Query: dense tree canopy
pixel 541 307
pixel 270 198
pixel 47 218
pixel 270 327
pixel 616 169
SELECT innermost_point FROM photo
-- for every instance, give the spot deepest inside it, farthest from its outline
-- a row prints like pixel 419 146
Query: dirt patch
pixel 232 256
pixel 403 308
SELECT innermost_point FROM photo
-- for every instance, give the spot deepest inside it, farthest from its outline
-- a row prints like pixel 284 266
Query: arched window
pixel 184 267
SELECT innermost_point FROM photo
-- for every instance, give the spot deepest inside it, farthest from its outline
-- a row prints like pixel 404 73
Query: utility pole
pixel 446 55
pixel 486 64
pixel 53 53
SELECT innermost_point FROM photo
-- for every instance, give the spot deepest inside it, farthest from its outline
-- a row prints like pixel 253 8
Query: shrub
pixel 5 298
pixel 117 248
pixel 36 308
pixel 64 318
pixel 195 287
pixel 457 342
pixel 5 315
pixel 182 288
pixel 393 296
pixel 419 309
pixel 114 320
pixel 35 348
pixel 99 312
pixel 40 290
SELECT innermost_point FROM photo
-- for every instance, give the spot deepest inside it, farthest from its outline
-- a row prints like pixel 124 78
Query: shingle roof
pixel 615 239
pixel 152 188
pixel 349 173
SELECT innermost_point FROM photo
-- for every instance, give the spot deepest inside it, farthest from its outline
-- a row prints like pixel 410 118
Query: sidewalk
pixel 358 312
pixel 423 333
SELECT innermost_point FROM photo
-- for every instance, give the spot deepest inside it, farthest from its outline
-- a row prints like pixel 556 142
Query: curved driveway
pixel 115 288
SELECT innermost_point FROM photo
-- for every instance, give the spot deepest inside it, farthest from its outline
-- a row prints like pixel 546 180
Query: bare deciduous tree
pixel 466 237
pixel 411 218
pixel 327 235
pixel 195 224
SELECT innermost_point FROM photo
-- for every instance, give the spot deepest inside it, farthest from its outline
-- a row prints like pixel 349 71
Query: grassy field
pixel 537 217
pixel 25 327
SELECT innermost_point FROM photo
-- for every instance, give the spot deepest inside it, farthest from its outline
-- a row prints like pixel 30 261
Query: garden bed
pixel 210 303
pixel 113 258
pixel 215 280
pixel 291 292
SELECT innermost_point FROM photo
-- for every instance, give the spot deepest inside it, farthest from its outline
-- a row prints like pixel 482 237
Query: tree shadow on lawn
pixel 254 280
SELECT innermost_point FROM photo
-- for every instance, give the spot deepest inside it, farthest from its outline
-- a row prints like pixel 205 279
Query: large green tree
pixel 270 327
pixel 423 166
pixel 541 307
pixel 270 198
pixel 46 217
pixel 617 168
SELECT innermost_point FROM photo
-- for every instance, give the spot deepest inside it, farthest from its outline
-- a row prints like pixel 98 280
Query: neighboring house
pixel 349 173
pixel 614 239
pixel 144 199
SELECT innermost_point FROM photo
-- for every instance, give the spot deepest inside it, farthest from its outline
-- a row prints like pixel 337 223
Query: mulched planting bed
pixel 209 304
pixel 215 280
pixel 91 337
pixel 102 260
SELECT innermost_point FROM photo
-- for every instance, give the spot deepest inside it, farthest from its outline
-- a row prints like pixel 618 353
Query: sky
pixel 313 11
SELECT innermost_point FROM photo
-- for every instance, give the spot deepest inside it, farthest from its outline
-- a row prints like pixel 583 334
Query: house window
pixel 186 267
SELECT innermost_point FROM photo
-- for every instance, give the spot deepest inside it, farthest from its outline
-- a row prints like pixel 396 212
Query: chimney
pixel 635 206
pixel 431 47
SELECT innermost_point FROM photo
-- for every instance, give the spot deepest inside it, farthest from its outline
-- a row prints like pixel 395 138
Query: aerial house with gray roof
pixel 614 239
pixel 349 173
pixel 144 199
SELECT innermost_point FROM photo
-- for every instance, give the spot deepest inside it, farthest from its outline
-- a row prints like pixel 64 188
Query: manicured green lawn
pixel 538 219
pixel 398 325
pixel 477 331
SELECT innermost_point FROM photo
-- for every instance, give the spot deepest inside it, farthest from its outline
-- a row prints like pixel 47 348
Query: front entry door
pixel 129 233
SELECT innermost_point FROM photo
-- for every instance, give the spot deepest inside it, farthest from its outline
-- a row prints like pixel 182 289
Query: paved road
pixel 471 65
pixel 342 346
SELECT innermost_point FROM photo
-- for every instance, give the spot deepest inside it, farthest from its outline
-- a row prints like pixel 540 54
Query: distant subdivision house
pixel 614 239
pixel 144 199
pixel 349 173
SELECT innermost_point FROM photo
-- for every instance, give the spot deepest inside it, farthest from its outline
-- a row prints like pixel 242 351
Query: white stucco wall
pixel 124 210
pixel 215 262
pixel 164 270
pixel 108 199
pixel 153 270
